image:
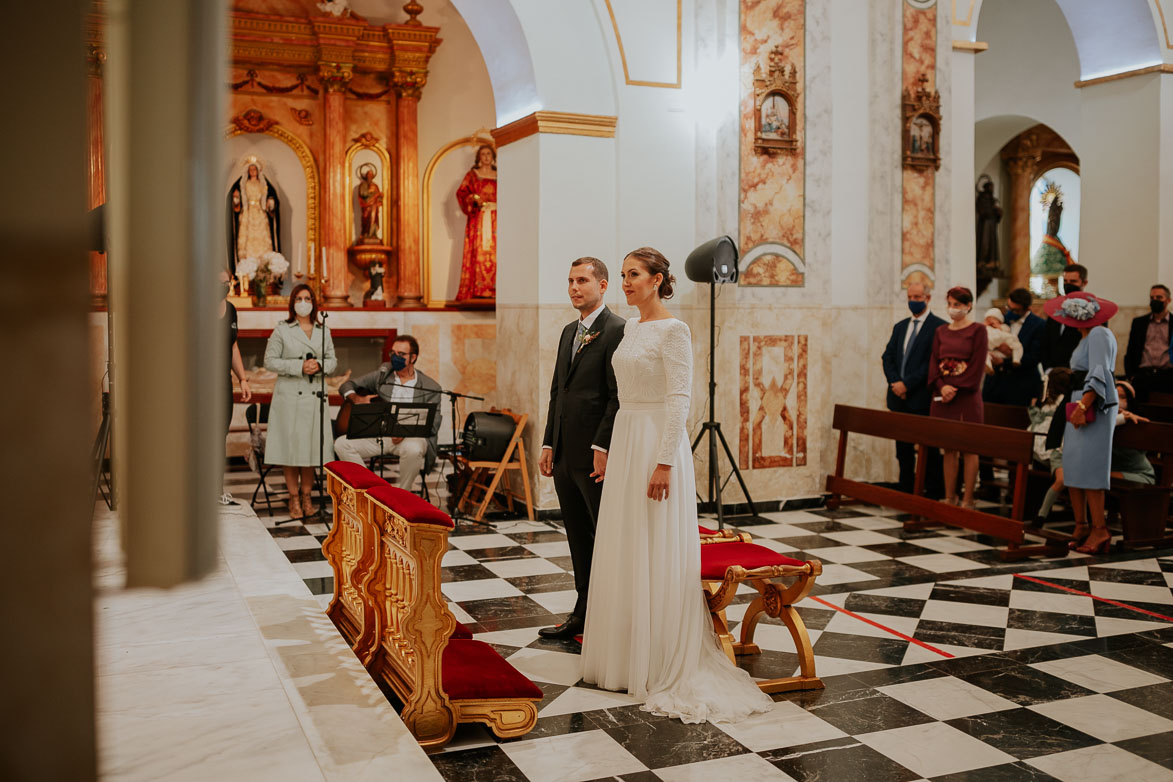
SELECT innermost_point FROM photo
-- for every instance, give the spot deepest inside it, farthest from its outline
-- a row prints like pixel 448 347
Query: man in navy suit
pixel 906 366
pixel 1017 384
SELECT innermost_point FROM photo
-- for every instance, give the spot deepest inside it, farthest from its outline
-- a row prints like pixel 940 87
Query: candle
pixel 298 260
pixel 323 264
pixel 311 257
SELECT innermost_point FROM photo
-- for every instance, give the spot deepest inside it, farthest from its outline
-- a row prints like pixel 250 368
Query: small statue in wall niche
pixel 922 127
pixel 1052 256
pixel 776 105
pixel 477 196
pixel 989 214
pixel 375 291
pixel 370 199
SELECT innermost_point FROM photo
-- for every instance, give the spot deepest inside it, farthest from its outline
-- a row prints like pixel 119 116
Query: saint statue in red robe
pixel 477 196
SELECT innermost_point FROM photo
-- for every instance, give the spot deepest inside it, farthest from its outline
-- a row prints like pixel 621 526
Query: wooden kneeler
pixel 489 478
pixel 720 577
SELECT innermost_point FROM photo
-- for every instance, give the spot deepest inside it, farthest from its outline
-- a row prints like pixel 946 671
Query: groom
pixel 583 403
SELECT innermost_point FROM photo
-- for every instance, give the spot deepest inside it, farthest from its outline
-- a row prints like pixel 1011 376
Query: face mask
pixel 1010 315
pixel 1069 289
pixel 957 313
pixel 303 308
pixel 916 307
pixel 1157 306
pixel 398 362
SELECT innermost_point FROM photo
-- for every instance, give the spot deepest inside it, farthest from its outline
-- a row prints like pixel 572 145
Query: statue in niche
pixel 989 214
pixel 375 291
pixel 370 200
pixel 775 102
pixel 477 196
pixel 253 216
pixel 1052 256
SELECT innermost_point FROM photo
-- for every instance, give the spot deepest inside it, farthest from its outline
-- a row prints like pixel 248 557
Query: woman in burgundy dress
pixel 955 376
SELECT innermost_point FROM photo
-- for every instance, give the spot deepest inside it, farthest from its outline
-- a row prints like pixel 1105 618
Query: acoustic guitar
pixel 342 421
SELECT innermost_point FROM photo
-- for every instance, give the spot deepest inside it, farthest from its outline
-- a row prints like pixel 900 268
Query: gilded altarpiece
pixel 773 142
pixel 921 135
pixel 325 82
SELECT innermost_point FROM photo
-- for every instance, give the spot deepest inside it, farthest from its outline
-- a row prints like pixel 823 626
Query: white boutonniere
pixel 588 338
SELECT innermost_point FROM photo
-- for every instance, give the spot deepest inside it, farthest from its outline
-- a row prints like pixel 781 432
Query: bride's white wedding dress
pixel 648 629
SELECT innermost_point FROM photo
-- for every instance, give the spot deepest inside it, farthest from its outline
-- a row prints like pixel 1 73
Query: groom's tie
pixel 582 332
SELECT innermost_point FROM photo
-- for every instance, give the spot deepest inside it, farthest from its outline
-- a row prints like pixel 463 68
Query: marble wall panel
pixel 772 185
pixel 918 201
pixel 773 396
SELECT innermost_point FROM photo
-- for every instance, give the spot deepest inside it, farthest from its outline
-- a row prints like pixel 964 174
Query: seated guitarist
pixel 396 381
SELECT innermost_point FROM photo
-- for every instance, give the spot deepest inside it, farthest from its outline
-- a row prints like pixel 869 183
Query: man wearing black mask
pixel 906 367
pixel 1059 341
pixel 1148 361
pixel 395 381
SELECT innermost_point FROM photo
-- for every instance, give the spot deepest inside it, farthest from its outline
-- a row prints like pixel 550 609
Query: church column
pixel 96 59
pixel 412 45
pixel 1021 173
pixel 335 78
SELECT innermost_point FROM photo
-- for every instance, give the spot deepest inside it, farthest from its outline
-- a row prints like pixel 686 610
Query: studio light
pixel 715 262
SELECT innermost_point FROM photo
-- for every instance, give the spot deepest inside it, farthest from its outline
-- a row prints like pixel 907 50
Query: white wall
pixel 1120 222
pixel 1031 67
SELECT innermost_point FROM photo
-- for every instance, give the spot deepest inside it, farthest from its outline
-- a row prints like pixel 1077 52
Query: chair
pixel 257 416
pixel 490 478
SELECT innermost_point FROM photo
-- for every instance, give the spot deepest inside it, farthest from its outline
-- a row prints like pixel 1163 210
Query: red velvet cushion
pixel 411 507
pixel 461 632
pixel 355 475
pixel 472 669
pixel 705 530
pixel 716 558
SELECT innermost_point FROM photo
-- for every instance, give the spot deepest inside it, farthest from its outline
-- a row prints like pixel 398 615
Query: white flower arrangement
pixel 247 267
pixel 1080 309
pixel 276 263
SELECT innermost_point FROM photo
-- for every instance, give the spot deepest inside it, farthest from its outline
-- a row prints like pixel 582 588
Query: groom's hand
pixel 600 466
pixel 546 462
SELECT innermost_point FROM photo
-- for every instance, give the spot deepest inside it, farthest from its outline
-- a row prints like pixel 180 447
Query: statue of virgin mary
pixel 253 216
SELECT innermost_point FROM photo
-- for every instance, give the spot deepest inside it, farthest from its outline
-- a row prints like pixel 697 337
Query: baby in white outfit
pixel 999 334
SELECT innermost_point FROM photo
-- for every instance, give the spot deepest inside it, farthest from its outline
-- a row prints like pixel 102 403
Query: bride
pixel 648 629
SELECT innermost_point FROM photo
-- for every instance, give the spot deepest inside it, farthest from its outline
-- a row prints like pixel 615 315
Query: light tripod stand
pixel 715 262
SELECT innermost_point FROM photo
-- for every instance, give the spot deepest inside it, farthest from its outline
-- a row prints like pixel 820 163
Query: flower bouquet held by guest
pixel 296 439
pixel 956 367
pixel 1091 417
pixel 1042 414
pixel 648 629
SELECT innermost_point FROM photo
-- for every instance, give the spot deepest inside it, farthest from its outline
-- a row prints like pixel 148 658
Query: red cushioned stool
pixel 727 562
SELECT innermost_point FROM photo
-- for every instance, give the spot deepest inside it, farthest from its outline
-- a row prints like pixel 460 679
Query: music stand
pixel 380 419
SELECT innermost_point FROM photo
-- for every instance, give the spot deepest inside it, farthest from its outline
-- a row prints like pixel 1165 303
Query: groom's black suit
pixel 583 403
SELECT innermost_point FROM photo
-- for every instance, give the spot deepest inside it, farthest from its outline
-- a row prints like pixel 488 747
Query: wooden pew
pixel 1013 446
pixel 1144 509
pixel 729 559
pixel 351 549
pixel 390 559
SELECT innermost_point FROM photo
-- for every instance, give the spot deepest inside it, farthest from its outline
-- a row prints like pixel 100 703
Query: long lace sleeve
pixel 676 352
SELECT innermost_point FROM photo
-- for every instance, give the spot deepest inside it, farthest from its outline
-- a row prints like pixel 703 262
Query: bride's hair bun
pixel 655 262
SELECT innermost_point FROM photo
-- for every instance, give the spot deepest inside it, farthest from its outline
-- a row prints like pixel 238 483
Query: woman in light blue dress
pixel 1087 437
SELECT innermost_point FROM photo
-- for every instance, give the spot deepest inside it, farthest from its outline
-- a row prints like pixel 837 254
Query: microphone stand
pixel 457 516
pixel 323 403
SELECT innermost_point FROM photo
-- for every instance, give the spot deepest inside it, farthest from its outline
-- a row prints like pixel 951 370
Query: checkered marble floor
pixel 940 661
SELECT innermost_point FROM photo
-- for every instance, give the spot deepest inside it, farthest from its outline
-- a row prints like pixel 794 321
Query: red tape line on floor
pixel 1093 597
pixel 896 633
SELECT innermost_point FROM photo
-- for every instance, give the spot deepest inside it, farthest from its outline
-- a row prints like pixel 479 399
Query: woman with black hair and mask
pixel 296 440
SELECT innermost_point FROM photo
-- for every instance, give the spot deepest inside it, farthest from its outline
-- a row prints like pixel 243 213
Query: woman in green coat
pixel 295 439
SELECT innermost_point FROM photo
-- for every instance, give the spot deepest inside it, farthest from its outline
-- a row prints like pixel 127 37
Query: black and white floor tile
pixel 940 661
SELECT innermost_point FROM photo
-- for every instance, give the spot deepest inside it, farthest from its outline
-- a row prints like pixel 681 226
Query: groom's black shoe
pixel 568 629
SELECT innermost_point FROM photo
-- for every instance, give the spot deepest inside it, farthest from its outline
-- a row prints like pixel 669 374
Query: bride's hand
pixel 658 485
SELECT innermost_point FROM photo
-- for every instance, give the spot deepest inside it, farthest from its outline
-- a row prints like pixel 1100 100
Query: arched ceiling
pixel 1110 37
